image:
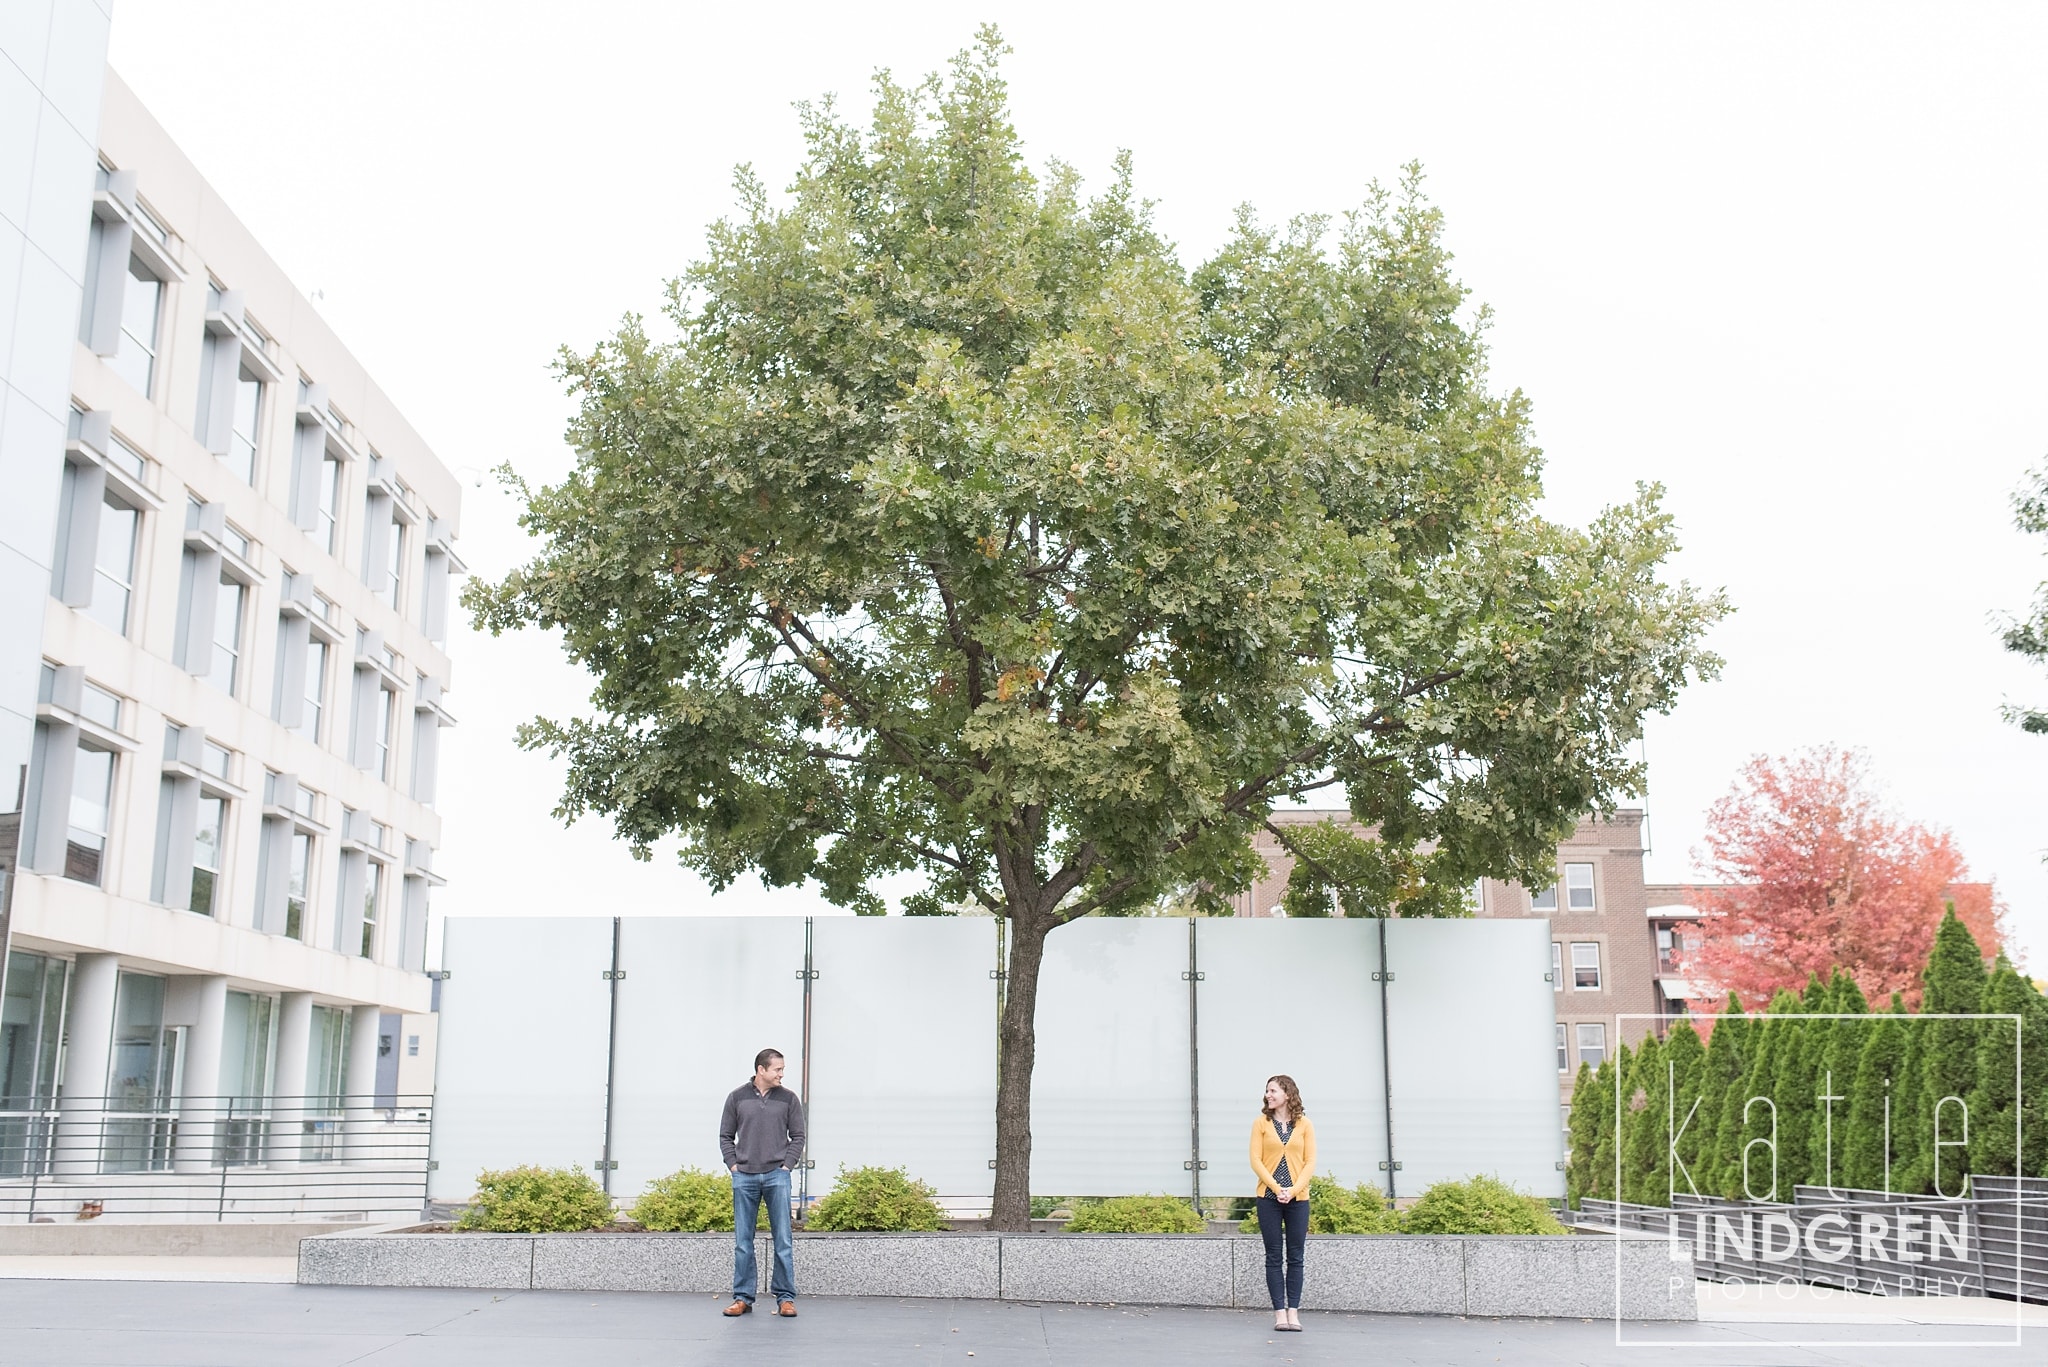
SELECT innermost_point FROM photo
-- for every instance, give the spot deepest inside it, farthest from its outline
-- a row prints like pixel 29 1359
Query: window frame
pixel 1599 1030
pixel 1572 890
pixel 1579 969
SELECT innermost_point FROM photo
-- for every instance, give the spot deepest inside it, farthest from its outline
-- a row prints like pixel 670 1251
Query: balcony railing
pixel 217 1158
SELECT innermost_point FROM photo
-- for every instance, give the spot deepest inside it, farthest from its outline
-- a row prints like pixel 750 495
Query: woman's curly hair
pixel 1295 1109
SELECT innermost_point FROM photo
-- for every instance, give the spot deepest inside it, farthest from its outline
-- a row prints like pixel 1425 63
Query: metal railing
pixel 217 1158
pixel 1992 1243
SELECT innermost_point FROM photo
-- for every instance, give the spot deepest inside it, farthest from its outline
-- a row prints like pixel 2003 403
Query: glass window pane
pixel 1544 899
pixel 1578 882
pixel 1592 1044
pixel 138 1034
pixel 114 567
pixel 134 358
pixel 373 886
pixel 1556 966
pixel 206 845
pixel 1564 1053
pixel 242 432
pixel 295 887
pixel 315 689
pixel 330 500
pixel 227 638
pixel 92 795
pixel 1585 965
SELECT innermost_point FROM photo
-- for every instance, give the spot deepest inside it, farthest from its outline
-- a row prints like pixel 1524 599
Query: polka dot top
pixel 1281 1177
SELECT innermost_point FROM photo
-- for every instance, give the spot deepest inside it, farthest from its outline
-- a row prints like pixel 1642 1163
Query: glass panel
pixel 1564 1052
pixel 295 886
pixel 31 1023
pixel 1337 1063
pixel 1556 966
pixel 316 690
pixel 138 1035
pixel 330 500
pixel 98 705
pixel 877 1098
pixel 134 358
pixel 1109 1111
pixel 1593 1044
pixel 227 638
pixel 242 431
pixel 384 723
pixel 248 1043
pixel 373 887
pixel 92 795
pixel 1578 883
pixel 114 567
pixel 394 590
pixel 1544 899
pixel 1585 966
pixel 523 1026
pixel 206 845
pixel 1475 1091
pixel 217 760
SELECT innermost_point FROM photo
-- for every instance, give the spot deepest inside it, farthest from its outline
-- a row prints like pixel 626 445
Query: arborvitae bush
pixel 877 1199
pixel 689 1201
pixel 1588 1096
pixel 1478 1205
pixel 1136 1215
pixel 533 1200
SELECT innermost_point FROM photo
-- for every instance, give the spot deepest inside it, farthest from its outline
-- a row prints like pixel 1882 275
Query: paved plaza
pixel 88 1323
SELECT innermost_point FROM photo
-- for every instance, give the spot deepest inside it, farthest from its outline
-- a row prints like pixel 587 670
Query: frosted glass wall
pixel 701 997
pixel 903 1050
pixel 1109 1095
pixel 520 1065
pixel 1475 1061
pixel 902 1033
pixel 1293 997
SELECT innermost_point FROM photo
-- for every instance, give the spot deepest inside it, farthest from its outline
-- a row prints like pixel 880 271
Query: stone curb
pixel 1574 1277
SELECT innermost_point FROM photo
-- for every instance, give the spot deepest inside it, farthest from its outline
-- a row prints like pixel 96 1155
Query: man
pixel 761 1135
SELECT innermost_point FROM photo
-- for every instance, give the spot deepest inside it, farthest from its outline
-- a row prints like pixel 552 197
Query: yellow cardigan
pixel 1267 1151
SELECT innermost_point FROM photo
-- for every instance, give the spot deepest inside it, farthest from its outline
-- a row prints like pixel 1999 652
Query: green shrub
pixel 1042 1207
pixel 1478 1205
pixel 1135 1215
pixel 1337 1210
pixel 877 1199
pixel 536 1201
pixel 689 1201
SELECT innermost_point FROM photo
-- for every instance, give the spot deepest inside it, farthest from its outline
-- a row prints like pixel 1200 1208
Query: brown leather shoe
pixel 786 1309
pixel 738 1308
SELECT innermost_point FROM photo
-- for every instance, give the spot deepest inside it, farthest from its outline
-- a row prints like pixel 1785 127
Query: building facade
pixel 232 561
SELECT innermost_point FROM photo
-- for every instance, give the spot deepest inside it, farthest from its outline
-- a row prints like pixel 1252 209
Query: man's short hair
pixel 761 1059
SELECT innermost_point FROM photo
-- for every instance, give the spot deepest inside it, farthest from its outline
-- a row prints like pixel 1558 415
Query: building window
pixel 1585 966
pixel 227 637
pixel 247 1058
pixel 1564 1053
pixel 330 503
pixel 113 566
pixel 315 684
pixel 387 721
pixel 1556 966
pixel 1592 1043
pixel 1578 887
pixel 206 845
pixel 92 816
pixel 301 868
pixel 1544 899
pixel 245 426
pixel 134 358
pixel 394 584
pixel 373 887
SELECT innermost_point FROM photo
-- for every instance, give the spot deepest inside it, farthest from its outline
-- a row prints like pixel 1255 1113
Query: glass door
pixel 142 1079
pixel 31 1025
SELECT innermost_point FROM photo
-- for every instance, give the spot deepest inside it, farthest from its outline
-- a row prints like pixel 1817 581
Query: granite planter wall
pixel 1570 1276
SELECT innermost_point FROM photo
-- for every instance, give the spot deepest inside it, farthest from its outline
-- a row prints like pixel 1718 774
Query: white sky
pixel 1786 260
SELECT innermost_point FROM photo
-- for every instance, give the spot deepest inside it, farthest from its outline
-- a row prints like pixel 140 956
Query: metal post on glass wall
pixel 1195 1164
pixel 611 1057
pixel 227 1130
pixel 803 1167
pixel 1384 976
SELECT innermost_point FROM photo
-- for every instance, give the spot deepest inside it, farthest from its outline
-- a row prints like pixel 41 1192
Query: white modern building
pixel 225 584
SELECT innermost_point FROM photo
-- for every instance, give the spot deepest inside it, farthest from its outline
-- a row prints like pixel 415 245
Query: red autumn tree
pixel 1813 872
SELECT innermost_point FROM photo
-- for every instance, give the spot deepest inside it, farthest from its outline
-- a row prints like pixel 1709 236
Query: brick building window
pixel 1585 966
pixel 1543 899
pixel 1578 888
pixel 1592 1043
pixel 1564 1052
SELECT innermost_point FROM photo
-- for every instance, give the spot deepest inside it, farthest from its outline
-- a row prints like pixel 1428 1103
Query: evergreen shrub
pixel 1478 1205
pixel 1135 1215
pixel 531 1200
pixel 689 1201
pixel 1334 1209
pixel 876 1199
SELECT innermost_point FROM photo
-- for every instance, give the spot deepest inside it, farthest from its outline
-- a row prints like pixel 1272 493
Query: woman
pixel 1283 1157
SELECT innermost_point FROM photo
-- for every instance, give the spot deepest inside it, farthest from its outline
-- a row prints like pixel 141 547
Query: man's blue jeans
pixel 749 1190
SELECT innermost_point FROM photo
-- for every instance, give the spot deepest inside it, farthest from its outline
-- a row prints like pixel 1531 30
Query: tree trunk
pixel 1019 1047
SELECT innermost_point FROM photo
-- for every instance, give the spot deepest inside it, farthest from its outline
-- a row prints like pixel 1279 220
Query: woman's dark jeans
pixel 1288 1220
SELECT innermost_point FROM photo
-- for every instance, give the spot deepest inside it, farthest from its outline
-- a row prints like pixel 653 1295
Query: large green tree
pixel 956 528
